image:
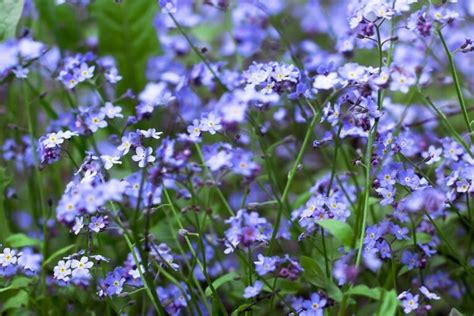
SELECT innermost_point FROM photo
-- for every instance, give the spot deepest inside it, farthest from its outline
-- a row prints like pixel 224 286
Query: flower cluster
pixel 14 262
pixel 225 157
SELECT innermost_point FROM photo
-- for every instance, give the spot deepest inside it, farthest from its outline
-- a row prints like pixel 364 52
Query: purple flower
pixel 400 233
pixel 97 223
pixel 265 264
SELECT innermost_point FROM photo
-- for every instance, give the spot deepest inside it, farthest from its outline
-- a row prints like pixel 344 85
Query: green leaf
pixel 18 300
pixel 364 290
pixel 17 283
pixel 313 272
pixel 126 32
pixel 284 286
pixel 240 309
pixel 220 281
pixel 342 231
pixel 389 304
pixel 21 240
pixel 60 24
pixel 334 292
pixel 58 253
pixel 455 312
pixel 10 13
pixel 4 228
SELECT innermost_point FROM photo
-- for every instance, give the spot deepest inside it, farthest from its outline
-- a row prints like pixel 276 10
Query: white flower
pixel 112 111
pixel 109 161
pixel 62 270
pixel 151 133
pixel 8 257
pixel 194 130
pixel 81 267
pixel 433 155
pixel 211 124
pixel 134 273
pixel 78 225
pixel 53 140
pixel 428 294
pixel 143 156
pixel 124 148
pixel 326 82
pixel 67 134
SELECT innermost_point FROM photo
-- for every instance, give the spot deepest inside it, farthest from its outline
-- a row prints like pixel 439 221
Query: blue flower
pixel 252 291
pixel 314 306
pixel 265 264
pixel 411 259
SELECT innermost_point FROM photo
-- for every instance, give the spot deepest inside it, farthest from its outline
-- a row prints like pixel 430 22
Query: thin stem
pixel 209 172
pixel 197 52
pixel 291 176
pixel 44 215
pixel 457 84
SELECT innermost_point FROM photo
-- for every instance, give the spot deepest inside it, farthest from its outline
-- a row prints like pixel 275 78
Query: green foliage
pixel 220 281
pixel 342 231
pixel 10 13
pixel 364 290
pixel 17 283
pixel 389 304
pixel 58 253
pixel 4 229
pixel 59 24
pixel 20 299
pixel 126 32
pixel 314 274
pixel 21 240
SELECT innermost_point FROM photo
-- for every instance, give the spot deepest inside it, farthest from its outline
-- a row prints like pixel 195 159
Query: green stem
pixel 193 252
pixel 40 184
pixel 197 52
pixel 209 172
pixel 457 84
pixel 291 176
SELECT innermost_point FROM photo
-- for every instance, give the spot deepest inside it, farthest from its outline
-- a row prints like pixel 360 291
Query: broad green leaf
pixel 455 312
pixel 334 292
pixel 10 13
pixel 220 281
pixel 57 254
pixel 4 229
pixel 126 32
pixel 284 286
pixel 364 290
pixel 17 283
pixel 21 240
pixel 389 304
pixel 18 300
pixel 59 24
pixel 342 231
pixel 313 272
